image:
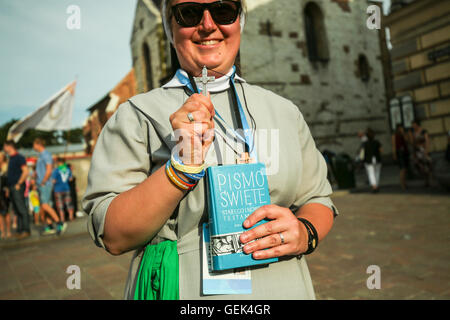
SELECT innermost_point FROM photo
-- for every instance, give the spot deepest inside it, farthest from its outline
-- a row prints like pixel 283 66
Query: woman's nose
pixel 207 24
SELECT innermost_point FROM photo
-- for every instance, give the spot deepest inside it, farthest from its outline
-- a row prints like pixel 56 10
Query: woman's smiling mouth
pixel 207 42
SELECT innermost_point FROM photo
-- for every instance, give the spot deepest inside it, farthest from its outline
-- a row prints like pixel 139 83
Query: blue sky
pixel 39 55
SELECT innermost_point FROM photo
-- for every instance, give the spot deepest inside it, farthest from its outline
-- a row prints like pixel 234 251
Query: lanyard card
pixel 234 281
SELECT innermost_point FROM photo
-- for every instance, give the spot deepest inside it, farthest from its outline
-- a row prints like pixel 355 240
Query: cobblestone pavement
pixel 405 234
pixel 38 270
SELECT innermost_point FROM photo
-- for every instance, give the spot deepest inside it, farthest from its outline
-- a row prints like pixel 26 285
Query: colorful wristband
pixel 176 180
pixel 195 176
pixel 178 164
pixel 189 184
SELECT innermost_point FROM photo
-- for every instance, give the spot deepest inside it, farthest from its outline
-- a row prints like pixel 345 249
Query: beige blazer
pixel 136 141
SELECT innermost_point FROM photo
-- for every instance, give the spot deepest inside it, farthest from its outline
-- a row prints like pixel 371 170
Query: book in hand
pixel 233 193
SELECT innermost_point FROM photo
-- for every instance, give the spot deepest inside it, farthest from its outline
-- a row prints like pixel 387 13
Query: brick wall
pixel 420 34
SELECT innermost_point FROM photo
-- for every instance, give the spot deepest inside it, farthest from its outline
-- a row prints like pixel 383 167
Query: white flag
pixel 54 114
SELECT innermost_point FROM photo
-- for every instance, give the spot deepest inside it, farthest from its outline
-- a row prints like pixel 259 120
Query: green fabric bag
pixel 158 273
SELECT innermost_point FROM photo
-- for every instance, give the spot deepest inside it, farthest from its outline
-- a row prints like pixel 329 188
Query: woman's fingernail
pixel 244 238
pixel 249 248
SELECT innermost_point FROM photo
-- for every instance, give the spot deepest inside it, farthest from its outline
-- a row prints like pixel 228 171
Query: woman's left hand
pixel 267 236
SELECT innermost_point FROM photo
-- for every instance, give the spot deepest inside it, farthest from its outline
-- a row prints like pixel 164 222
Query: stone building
pixel 420 66
pixel 320 54
pixel 102 110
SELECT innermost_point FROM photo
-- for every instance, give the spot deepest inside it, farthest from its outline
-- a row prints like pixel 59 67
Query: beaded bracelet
pixel 178 164
pixel 176 179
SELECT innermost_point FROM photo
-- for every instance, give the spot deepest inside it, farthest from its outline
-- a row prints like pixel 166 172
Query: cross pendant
pixel 204 79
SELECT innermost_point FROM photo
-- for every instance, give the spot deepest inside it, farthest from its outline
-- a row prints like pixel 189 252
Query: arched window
pixel 316 36
pixel 147 67
pixel 363 68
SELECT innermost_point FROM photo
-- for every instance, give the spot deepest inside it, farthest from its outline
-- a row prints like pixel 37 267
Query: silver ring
pixel 281 237
pixel 190 117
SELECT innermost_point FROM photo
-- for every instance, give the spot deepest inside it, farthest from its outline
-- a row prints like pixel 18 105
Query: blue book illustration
pixel 233 193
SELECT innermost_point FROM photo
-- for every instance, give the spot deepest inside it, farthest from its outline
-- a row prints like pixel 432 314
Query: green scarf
pixel 158 273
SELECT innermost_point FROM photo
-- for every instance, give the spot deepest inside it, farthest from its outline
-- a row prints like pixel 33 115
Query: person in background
pixel 61 176
pixel 28 185
pixel 372 160
pixel 43 173
pixel 34 202
pixel 400 152
pixel 73 191
pixel 359 158
pixel 17 174
pixel 421 147
pixel 362 138
pixel 5 217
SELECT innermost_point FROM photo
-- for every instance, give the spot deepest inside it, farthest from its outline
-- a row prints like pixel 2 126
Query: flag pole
pixel 68 131
pixel 67 144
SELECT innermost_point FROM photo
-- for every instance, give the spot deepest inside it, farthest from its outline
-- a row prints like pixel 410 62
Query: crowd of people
pixel 410 149
pixel 40 192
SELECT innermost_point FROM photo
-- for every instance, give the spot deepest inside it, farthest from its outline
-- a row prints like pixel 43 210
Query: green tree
pixel 4 130
pixel 74 135
pixel 51 138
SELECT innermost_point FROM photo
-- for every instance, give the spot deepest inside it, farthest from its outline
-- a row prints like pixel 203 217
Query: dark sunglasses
pixel 190 14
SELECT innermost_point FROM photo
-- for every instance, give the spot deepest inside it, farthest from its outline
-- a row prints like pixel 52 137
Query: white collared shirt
pixel 219 84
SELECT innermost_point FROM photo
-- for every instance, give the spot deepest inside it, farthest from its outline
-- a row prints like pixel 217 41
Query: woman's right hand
pixel 194 138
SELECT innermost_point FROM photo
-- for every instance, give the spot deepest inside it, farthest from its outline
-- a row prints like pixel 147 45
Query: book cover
pixel 233 193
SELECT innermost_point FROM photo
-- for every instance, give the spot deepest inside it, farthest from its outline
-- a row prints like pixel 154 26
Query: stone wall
pixel 148 32
pixel 420 36
pixel 334 100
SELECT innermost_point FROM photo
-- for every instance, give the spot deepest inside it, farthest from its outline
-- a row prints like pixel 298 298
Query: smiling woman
pixel 145 195
pixel 198 40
